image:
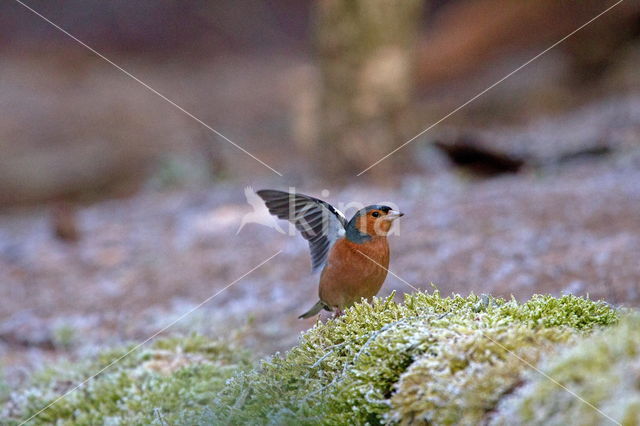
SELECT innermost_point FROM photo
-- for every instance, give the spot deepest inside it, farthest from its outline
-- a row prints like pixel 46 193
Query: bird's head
pixel 373 221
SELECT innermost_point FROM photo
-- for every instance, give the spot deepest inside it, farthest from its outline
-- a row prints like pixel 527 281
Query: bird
pixel 353 255
pixel 257 216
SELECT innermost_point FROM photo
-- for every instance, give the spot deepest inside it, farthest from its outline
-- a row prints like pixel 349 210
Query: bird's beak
pixel 393 215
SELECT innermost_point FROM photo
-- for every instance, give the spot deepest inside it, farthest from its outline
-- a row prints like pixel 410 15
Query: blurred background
pixel 119 212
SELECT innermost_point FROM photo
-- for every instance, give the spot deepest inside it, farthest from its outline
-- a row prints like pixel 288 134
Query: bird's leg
pixel 338 313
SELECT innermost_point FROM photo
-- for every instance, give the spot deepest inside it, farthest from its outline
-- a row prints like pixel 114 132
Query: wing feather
pixel 318 221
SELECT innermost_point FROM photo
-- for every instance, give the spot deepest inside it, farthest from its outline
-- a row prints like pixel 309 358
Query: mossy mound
pixel 162 384
pixel 602 371
pixel 430 359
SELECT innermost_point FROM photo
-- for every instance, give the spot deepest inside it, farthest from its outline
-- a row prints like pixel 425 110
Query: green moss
pixel 603 370
pixel 466 371
pixel 429 359
pixel 346 370
pixel 64 336
pixel 159 384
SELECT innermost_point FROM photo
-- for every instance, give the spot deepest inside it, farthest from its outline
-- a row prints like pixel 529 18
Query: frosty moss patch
pixel 603 370
pixel 428 360
pixel 160 384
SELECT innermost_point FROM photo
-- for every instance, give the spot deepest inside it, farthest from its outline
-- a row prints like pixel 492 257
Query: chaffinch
pixel 353 255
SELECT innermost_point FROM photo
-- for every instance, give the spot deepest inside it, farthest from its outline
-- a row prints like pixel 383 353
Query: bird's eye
pixel 375 214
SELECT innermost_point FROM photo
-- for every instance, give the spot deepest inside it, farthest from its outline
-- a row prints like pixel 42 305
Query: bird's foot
pixel 338 313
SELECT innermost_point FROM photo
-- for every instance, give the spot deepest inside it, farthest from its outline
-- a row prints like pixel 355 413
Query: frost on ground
pixel 429 360
pixel 143 262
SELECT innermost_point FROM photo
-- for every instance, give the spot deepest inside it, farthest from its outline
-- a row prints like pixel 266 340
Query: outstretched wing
pixel 318 221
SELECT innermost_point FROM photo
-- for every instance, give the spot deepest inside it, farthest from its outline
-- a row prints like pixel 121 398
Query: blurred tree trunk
pixel 367 52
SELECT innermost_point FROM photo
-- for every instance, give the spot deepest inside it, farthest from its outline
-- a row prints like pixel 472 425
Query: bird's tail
pixel 314 310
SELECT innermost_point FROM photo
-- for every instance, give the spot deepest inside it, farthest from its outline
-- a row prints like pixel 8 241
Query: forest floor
pixel 143 262
pixel 567 222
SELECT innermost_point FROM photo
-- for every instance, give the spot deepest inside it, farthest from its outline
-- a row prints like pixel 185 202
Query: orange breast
pixel 351 273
